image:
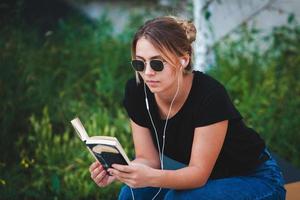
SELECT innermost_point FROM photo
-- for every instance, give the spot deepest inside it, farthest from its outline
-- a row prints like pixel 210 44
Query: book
pixel 106 149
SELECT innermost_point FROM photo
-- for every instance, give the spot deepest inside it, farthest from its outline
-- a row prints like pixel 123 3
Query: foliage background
pixel 78 67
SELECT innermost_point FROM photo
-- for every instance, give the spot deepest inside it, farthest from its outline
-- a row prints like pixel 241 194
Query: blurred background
pixel 65 58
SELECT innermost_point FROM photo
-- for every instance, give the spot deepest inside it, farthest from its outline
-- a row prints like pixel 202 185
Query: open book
pixel 107 150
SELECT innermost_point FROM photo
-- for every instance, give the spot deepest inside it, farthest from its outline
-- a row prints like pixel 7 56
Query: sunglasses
pixel 139 65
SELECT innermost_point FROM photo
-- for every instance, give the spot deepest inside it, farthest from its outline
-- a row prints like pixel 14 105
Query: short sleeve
pixel 215 107
pixel 134 103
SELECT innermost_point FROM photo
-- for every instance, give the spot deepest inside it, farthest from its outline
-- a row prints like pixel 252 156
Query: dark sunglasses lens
pixel 138 65
pixel 157 65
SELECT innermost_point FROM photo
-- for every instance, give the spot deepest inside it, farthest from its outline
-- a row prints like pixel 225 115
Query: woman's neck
pixel 164 100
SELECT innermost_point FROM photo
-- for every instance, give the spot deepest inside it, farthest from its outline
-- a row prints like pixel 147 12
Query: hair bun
pixel 189 27
pixel 190 30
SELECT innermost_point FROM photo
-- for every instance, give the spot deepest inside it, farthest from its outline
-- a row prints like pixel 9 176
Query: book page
pixel 80 130
pixel 110 138
pixel 104 148
pixel 123 153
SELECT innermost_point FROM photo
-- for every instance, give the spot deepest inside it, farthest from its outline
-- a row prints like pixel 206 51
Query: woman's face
pixel 158 82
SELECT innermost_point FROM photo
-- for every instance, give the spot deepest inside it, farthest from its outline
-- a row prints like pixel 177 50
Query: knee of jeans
pixel 125 193
pixel 170 195
pixel 176 195
pixel 202 193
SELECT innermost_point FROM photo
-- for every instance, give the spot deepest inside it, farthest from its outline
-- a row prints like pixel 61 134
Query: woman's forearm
pixel 152 164
pixel 185 178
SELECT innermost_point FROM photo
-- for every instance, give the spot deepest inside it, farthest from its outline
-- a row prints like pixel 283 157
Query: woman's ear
pixel 184 60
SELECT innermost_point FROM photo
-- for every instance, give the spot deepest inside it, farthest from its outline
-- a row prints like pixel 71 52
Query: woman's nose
pixel 148 69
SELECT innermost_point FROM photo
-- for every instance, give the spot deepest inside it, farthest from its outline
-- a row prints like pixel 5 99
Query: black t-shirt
pixel 207 103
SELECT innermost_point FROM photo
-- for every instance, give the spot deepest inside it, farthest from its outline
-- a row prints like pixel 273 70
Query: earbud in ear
pixel 182 62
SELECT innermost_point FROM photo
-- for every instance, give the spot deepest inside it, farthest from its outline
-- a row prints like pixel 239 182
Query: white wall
pixel 263 14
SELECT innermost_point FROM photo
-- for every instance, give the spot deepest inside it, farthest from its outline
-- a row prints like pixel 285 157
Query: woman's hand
pixel 99 175
pixel 135 175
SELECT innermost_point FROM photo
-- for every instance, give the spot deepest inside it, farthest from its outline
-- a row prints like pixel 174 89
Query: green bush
pixel 58 165
pixel 78 69
pixel 262 76
pixel 70 70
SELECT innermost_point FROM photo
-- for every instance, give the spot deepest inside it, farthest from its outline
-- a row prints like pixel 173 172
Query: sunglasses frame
pixel 153 64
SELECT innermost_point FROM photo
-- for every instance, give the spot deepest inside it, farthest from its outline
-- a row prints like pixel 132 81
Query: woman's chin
pixel 154 89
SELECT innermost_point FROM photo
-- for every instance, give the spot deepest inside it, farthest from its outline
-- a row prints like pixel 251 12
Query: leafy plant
pixel 70 71
pixel 261 74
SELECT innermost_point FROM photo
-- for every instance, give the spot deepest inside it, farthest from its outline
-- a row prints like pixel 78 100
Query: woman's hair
pixel 171 36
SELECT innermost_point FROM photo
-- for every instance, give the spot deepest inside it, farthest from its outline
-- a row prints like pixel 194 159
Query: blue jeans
pixel 265 182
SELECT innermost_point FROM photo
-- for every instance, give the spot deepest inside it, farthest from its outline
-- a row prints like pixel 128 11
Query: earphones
pixel 182 62
pixel 160 150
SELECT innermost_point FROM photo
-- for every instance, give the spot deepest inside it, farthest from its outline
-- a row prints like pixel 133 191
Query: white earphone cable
pixel 160 150
pixel 164 132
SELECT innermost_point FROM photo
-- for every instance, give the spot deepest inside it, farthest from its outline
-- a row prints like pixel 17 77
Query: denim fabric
pixel 264 183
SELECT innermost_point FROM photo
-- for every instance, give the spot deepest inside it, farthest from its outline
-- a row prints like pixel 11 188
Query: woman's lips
pixel 152 83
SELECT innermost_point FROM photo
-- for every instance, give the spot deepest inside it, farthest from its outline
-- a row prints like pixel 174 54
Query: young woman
pixel 190 141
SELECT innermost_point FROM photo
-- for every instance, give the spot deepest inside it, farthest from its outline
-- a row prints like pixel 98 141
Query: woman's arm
pixel 145 151
pixel 206 147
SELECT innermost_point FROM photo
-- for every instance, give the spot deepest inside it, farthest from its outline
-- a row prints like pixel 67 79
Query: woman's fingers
pixel 94 165
pixel 106 180
pixel 119 174
pixel 96 171
pixel 99 178
pixel 123 168
pixel 99 175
